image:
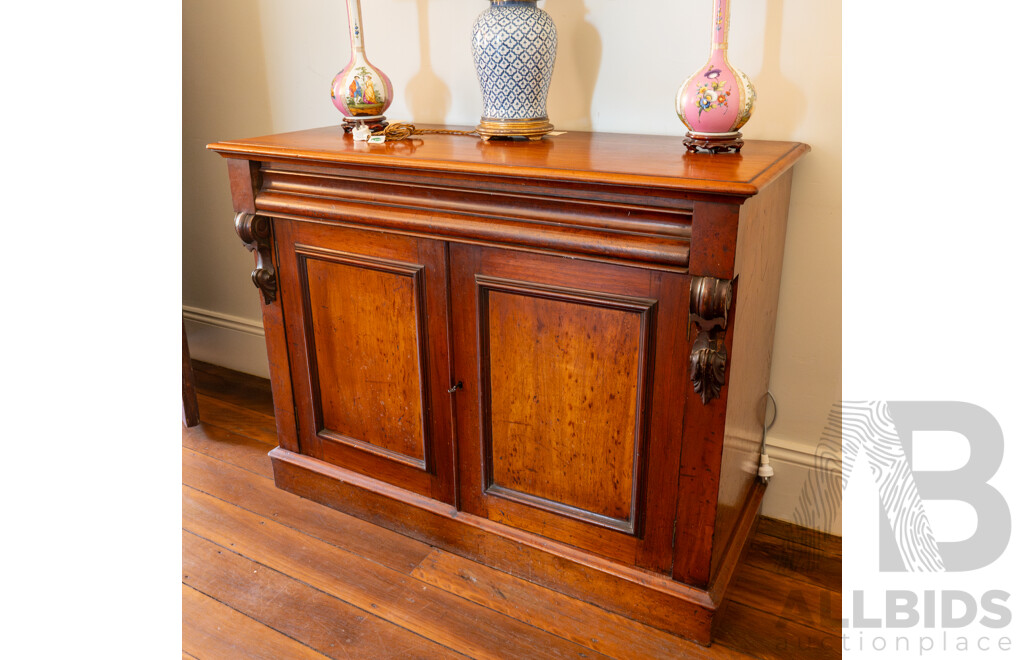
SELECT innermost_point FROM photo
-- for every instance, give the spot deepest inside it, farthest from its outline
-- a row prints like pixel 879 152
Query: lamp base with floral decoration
pixel 716 100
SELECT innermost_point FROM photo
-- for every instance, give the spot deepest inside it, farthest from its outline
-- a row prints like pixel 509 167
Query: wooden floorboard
pixel 239 450
pixel 585 624
pixel 825 544
pixel 237 419
pixel 763 635
pixel 269 574
pixel 211 629
pixel 257 495
pixel 796 561
pixel 327 624
pixel 230 386
pixel 392 595
pixel 787 598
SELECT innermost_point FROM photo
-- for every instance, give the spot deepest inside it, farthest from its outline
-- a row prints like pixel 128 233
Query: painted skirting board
pixel 797 494
pixel 238 343
pixel 227 341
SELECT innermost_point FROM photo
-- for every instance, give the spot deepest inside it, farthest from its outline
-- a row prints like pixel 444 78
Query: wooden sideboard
pixel 550 357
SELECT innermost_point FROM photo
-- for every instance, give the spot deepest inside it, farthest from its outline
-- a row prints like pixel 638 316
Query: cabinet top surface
pixel 610 158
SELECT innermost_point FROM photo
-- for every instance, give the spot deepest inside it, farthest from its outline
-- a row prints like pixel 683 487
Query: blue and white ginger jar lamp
pixel 514 46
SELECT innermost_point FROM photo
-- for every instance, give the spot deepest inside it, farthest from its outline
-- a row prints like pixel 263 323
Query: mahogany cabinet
pixel 549 357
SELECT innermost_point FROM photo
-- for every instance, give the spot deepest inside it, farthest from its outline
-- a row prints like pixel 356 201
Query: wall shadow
pixel 576 66
pixel 784 109
pixel 225 95
pixel 427 95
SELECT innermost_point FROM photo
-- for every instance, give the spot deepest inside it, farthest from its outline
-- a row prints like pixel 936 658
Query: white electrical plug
pixel 765 471
pixel 361 133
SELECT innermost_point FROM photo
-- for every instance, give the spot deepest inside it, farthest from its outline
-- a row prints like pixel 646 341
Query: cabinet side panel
pixel 760 241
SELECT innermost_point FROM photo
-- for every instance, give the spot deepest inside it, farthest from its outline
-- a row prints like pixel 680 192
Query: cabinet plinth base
pixel 647 597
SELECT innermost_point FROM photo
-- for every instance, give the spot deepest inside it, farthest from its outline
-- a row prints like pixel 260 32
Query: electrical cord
pixel 400 131
pixel 403 130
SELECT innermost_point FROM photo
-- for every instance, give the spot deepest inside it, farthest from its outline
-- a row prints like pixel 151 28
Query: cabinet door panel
pixel 367 318
pixel 564 381
pixel 565 426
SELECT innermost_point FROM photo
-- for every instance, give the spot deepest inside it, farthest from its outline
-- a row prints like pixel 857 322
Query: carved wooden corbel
pixel 707 366
pixel 254 230
pixel 710 299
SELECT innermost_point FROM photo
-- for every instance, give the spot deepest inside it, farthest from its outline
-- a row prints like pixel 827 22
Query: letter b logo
pixel 884 432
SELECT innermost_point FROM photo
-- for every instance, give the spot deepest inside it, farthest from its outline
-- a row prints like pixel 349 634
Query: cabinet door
pixel 365 316
pixel 570 419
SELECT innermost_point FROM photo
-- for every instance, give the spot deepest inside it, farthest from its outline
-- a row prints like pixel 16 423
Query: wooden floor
pixel 266 574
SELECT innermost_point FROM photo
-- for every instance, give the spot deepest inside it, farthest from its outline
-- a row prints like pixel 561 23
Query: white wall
pixel 258 67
